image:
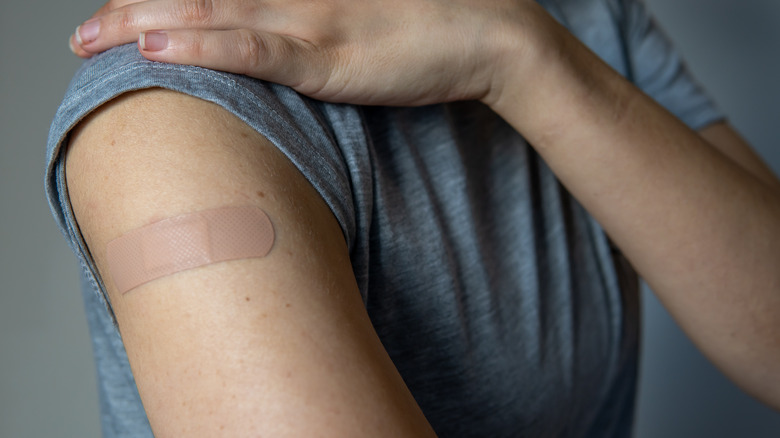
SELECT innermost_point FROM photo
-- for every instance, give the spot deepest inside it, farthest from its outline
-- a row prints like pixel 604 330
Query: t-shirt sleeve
pixel 657 68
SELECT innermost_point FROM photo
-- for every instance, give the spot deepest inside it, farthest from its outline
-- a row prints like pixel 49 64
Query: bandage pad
pixel 186 242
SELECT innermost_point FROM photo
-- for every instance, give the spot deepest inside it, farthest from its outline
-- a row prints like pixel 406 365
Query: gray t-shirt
pixel 492 289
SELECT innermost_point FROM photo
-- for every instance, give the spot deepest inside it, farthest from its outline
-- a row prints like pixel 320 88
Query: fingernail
pixel 70 44
pixel 153 41
pixel 88 32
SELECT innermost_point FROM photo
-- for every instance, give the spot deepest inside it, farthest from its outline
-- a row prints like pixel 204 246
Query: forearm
pixel 700 228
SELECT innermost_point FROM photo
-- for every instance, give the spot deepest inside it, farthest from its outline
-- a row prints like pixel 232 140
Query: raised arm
pixel 697 214
pixel 699 219
pixel 273 346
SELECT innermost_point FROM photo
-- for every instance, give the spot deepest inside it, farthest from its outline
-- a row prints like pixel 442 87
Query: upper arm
pixel 277 346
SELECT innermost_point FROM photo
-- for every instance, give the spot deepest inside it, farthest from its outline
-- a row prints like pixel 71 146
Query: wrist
pixel 555 86
pixel 526 48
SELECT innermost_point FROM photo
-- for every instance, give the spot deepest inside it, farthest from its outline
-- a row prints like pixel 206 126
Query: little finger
pixel 73 40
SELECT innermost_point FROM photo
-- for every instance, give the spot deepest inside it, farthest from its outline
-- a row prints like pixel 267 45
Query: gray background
pixel 47 386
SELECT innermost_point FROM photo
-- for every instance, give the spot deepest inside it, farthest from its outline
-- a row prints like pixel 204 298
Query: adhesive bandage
pixel 186 242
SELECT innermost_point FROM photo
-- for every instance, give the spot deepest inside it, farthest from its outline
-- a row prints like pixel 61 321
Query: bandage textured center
pixel 188 241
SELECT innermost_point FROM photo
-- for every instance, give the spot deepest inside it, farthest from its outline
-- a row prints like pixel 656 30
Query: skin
pixel 277 346
pixel 695 213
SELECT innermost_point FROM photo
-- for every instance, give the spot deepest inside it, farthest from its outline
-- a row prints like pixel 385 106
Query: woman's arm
pixel 273 346
pixel 697 215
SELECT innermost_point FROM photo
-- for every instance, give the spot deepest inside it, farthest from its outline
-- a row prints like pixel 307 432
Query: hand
pixel 400 52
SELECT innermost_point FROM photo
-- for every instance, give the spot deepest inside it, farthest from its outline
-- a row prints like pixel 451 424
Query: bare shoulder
pixel 279 345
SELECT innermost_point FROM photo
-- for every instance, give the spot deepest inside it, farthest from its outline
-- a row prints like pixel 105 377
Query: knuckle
pixel 125 20
pixel 196 46
pixel 197 11
pixel 252 49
